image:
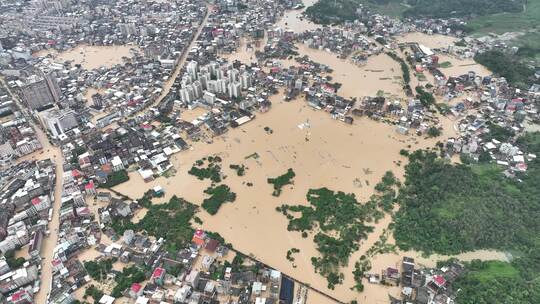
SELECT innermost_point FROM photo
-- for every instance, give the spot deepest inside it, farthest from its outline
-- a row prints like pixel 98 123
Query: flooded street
pixel 459 66
pixel 431 41
pixel 381 73
pixel 294 21
pixel 246 51
pixel 49 242
pixel 462 66
pixel 48 245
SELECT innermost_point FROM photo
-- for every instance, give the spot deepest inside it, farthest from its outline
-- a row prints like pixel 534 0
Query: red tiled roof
pixel 439 280
pixel 56 262
pixel 136 287
pixel 36 201
pixel 328 88
pixel 17 296
pixel 199 233
pixel 89 186
pixel 158 272
pixel 76 173
pixel 198 237
pixel 107 168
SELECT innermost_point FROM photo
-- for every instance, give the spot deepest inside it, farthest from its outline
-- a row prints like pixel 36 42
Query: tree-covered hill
pixel 461 8
pixel 448 208
pixel 337 11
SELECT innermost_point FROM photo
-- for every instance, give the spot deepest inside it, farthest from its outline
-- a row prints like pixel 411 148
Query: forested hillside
pixel 448 208
pixel 451 208
pixel 515 72
pixel 337 11
pixel 460 8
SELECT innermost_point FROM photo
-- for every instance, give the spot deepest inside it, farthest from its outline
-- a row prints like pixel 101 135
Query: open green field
pixel 392 8
pixel 528 20
pixel 495 269
pixel 529 46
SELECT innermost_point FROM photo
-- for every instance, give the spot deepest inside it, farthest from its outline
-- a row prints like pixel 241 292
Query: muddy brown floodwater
pixel 459 66
pixel 92 57
pixel 294 21
pixel 327 154
pixel 379 73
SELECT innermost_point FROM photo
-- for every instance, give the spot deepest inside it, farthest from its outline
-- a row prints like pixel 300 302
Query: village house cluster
pixel 17 136
pixel 57 93
pixel 419 284
pixel 199 273
pixel 27 192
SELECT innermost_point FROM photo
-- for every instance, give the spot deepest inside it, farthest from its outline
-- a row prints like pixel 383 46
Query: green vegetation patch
pixel 507 66
pixel 449 208
pixel 115 178
pixel 445 64
pixel 282 180
pixel 126 278
pixel 98 270
pixel 12 261
pixel 433 132
pixel 340 221
pixel 240 169
pixel 443 108
pixel 452 208
pixel 171 221
pixel 290 253
pixel 75 153
pixel 460 8
pixel 497 132
pixel 486 271
pixel 404 67
pixel 218 195
pixel 94 292
pixel 426 98
pixel 526 19
pixel 529 46
pixel 364 263
pixel 332 11
pixel 497 282
pixel 212 170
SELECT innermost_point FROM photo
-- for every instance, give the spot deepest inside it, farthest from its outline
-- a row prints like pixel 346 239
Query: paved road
pixel 169 83
pixel 50 242
pixel 53 153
